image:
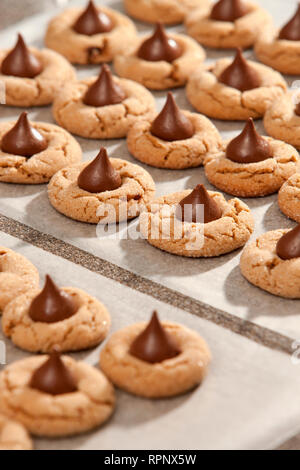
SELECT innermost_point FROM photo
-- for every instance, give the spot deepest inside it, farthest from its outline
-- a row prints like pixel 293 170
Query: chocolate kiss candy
pixel 23 139
pixel 20 62
pixel 99 175
pixel 154 344
pixel 249 146
pixel 104 91
pixel 160 47
pixel 240 74
pixel 52 304
pixel 92 21
pixel 53 377
pixel 196 205
pixel 229 10
pixel 297 109
pixel 288 246
pixel 291 31
pixel 171 124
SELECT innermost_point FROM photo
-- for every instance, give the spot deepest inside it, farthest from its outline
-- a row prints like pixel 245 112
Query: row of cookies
pixel 85 36
pixel 228 24
pixel 57 396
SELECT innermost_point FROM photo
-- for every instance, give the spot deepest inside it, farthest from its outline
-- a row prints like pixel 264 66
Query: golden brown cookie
pixel 62 149
pixel 168 378
pixel 219 101
pixel 85 329
pixel 280 54
pixel 253 179
pixel 281 121
pixel 165 11
pixel 42 89
pixel 61 415
pixel 242 32
pixel 160 75
pixel 17 275
pixel 261 266
pixel 105 122
pixel 289 198
pixel 177 154
pixel 123 203
pixel 90 49
pixel 13 436
pixel 161 228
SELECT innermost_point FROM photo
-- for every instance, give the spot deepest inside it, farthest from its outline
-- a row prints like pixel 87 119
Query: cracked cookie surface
pixel 165 379
pixel 165 11
pixel 41 90
pixel 253 179
pixel 162 229
pixel 261 266
pixel 177 154
pixel 13 436
pixel 280 54
pixel 62 150
pixel 105 122
pixel 289 198
pixel 216 100
pixel 61 415
pixel 85 329
pixel 281 121
pixel 242 32
pixel 95 49
pixel 17 275
pixel 121 204
pixel 161 75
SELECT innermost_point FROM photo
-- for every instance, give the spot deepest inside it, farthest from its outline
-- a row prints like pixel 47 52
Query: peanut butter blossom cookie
pixel 103 107
pixel 197 223
pixel 155 360
pixel 30 153
pixel 102 191
pixel 91 35
pixel 13 436
pixel 282 119
pixel 280 49
pixel 160 61
pixel 166 11
pixel 174 139
pixel 289 198
pixel 235 90
pixel 70 318
pixel 227 23
pixel 272 262
pixel 17 275
pixel 32 77
pixel 251 165
pixel 55 396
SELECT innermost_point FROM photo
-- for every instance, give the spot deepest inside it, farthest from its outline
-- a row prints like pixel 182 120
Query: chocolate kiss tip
pixel 154 344
pixel 240 74
pixel 291 31
pixel 99 175
pixel 104 91
pixel 229 10
pixel 288 246
pixel 23 139
pixel 53 377
pixel 171 124
pixel 52 304
pixel 20 62
pixel 249 146
pixel 198 205
pixel 160 46
pixel 92 21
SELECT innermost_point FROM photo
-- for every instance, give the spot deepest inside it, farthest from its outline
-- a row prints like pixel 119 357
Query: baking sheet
pixel 249 399
pixel 217 281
